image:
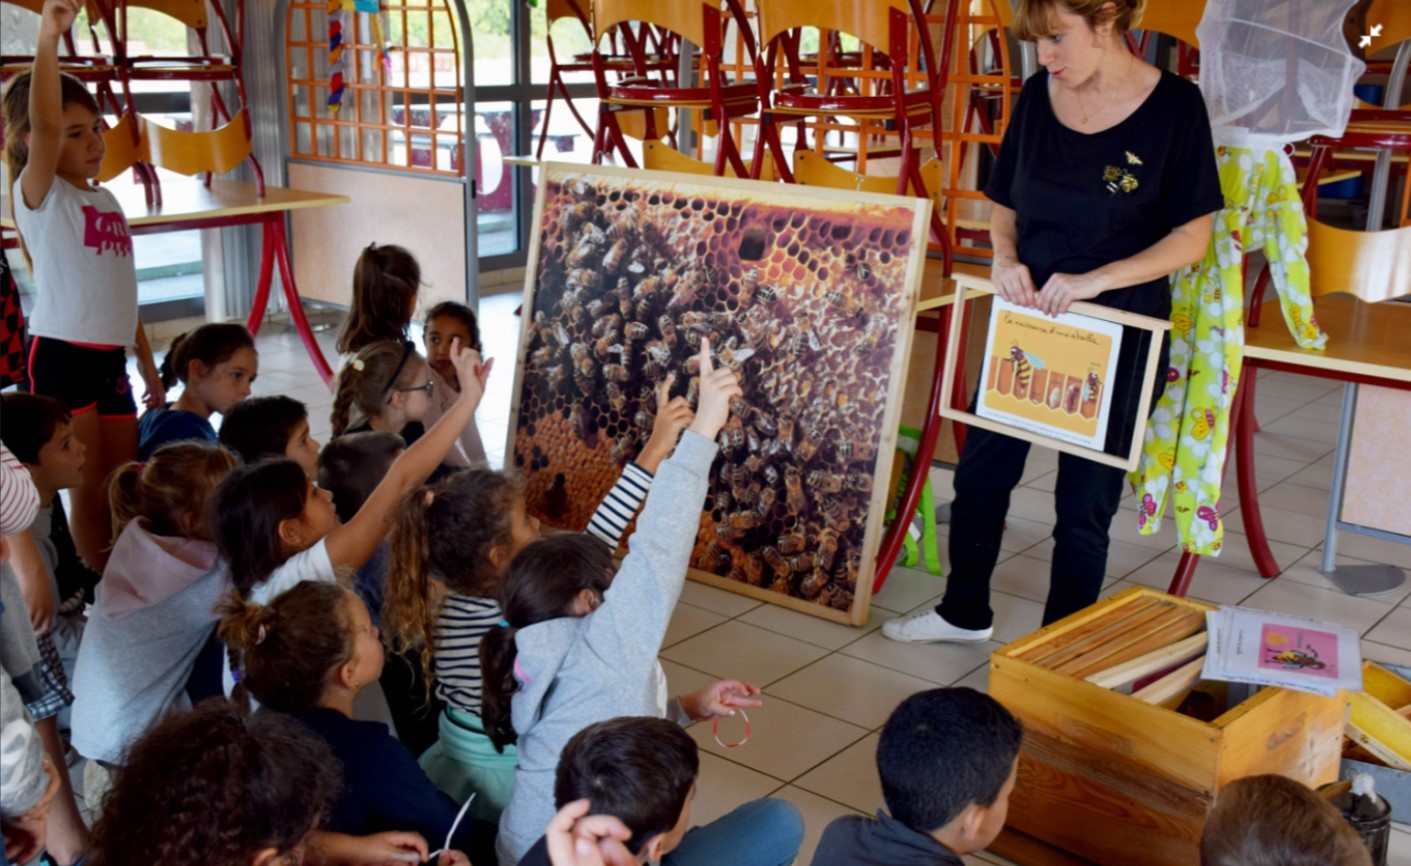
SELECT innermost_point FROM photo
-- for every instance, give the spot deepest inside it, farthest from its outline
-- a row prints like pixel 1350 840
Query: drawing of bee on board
pixel 1091 384
pixel 1292 658
pixel 1025 364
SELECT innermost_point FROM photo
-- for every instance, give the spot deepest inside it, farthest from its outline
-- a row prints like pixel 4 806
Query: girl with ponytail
pixel 152 612
pixel 308 654
pixel 451 543
pixel 275 528
pixel 216 365
pixel 570 654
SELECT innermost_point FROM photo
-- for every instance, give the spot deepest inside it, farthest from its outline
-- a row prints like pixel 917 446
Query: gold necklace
pixel 1111 94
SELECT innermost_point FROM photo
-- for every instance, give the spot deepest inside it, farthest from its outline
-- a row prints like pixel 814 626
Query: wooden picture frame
pixel 811 291
pixel 1070 387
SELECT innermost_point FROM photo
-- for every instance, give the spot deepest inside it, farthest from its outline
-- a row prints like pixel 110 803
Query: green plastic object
pixel 908 440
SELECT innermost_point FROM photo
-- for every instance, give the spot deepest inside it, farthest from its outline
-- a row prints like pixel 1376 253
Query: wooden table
pixel 1368 344
pixel 188 204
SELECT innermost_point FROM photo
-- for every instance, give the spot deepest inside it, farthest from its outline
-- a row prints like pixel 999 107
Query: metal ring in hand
pixel 715 731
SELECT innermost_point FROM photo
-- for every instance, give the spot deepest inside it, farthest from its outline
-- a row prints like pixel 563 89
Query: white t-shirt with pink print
pixel 84 277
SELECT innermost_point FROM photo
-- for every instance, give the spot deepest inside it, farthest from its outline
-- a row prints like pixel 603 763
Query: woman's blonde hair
pixel 1034 19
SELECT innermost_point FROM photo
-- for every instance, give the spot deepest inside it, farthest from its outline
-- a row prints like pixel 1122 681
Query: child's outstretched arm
pixel 620 504
pixel 46 107
pixel 353 543
pixel 632 621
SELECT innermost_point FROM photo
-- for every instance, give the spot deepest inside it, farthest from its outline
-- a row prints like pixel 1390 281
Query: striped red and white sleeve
pixel 19 500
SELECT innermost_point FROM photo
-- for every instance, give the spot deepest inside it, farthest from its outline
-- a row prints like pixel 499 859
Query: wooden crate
pixel 1108 779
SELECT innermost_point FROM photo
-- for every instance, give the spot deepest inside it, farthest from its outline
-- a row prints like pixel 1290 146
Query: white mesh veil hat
pixel 1276 71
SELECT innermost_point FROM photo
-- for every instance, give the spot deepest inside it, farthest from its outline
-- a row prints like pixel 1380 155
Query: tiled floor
pixel 829 688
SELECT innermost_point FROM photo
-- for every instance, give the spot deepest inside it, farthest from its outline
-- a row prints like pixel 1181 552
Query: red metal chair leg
pixel 1181 581
pixel 1243 423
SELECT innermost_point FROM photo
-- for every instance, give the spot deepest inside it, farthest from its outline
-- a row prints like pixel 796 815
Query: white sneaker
pixel 927 626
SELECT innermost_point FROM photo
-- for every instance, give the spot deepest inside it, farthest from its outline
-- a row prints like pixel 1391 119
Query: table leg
pixel 275 227
pixel 1185 571
pixel 1243 424
pixel 262 284
pixel 896 533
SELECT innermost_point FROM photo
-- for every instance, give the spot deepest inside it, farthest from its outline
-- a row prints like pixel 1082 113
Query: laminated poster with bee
pixel 809 293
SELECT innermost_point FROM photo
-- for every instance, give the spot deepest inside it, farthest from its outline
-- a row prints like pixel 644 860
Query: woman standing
pixel 1105 184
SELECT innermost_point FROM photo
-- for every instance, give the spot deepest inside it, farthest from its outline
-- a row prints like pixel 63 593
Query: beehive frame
pixel 967 286
pixel 809 292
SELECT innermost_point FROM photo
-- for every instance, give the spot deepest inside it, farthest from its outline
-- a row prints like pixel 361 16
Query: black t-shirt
pixel 1086 200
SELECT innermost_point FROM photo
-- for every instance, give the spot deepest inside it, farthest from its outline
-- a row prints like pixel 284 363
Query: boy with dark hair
pixel 277 426
pixel 351 466
pixel 948 760
pixel 642 771
pixel 54 580
pixel 638 768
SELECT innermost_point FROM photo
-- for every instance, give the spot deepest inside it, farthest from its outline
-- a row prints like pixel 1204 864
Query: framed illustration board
pixel 1052 380
pixel 809 293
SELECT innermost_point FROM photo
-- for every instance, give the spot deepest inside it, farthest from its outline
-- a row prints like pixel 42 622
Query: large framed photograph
pixel 1080 382
pixel 808 292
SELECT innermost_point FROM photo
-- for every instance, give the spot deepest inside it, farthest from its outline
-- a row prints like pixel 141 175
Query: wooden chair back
pixel 191 153
pixel 122 148
pixel 658 156
pixel 683 17
pixel 868 20
pixel 1373 266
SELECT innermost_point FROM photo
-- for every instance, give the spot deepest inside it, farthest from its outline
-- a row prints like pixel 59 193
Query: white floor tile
pixel 1394 629
pixel 734 650
pixel 1300 599
pixel 786 739
pixel 850 689
pixel 940 663
pixel 811 629
pixel 849 778
pixel 818 812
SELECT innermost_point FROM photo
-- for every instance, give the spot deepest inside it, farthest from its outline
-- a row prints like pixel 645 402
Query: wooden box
pixel 1109 779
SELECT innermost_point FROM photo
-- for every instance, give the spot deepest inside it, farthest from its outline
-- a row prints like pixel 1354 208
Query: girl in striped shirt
pixel 451 543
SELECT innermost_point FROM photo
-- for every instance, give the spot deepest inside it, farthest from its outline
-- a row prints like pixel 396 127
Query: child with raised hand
pixel 217 364
pixel 275 528
pixel 308 654
pixel 557 668
pixel 445 322
pixel 153 612
pixel 260 427
pixel 85 315
pixel 450 545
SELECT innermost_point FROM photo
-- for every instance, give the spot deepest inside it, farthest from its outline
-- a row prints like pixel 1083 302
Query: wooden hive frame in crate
pixel 1122 778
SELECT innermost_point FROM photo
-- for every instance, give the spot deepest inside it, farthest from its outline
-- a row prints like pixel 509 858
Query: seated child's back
pixel 948 759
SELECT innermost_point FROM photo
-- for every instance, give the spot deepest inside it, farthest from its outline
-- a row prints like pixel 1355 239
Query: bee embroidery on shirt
pixel 1133 159
pixel 1119 179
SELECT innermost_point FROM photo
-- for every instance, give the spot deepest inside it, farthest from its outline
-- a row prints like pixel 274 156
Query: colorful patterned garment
pixel 11 327
pixel 1188 434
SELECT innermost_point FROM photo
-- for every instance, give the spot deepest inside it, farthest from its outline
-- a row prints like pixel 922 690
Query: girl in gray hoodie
pixel 558 668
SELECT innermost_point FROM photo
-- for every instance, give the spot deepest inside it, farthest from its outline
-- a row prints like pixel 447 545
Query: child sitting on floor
pixel 216 364
pixel 641 770
pixel 1276 821
pixel 557 668
pixel 451 544
pixel 260 427
pixel 948 759
pixel 445 322
pixel 308 653
pixel 154 609
pixel 350 467
pixel 275 528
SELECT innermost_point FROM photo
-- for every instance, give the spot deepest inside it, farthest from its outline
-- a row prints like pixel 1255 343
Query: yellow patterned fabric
pixel 1183 455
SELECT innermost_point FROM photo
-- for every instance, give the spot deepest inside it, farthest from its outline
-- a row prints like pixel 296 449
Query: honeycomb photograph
pixel 809 297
